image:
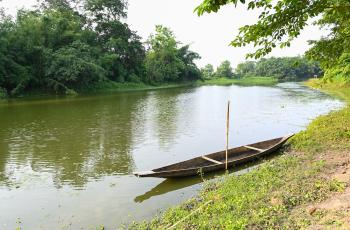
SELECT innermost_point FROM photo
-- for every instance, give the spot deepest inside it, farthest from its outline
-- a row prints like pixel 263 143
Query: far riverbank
pixel 111 86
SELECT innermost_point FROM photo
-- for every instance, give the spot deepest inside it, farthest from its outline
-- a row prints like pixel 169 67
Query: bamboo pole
pixel 227 131
pixel 183 219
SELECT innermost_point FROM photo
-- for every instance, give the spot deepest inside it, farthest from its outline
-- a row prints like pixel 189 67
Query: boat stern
pixel 143 173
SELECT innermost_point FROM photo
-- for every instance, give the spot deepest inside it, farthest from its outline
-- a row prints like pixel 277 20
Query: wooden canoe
pixel 216 161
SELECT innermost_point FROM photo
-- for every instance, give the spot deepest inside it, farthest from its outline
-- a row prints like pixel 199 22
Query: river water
pixel 67 162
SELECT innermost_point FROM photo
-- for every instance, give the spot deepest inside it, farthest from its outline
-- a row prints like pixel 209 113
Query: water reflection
pixel 79 139
pixel 73 140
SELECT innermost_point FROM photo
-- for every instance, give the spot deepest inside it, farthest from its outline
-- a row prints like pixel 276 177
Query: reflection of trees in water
pixel 171 114
pixel 165 117
pixel 74 140
pixel 295 91
pixel 86 138
pixel 4 178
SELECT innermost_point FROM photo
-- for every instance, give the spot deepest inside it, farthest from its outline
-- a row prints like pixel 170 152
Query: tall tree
pixel 208 71
pixel 123 51
pixel 224 70
pixel 106 10
pixel 165 61
pixel 245 69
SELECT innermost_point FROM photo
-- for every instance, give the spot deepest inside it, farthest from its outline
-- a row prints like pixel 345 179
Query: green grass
pixel 331 131
pixel 266 198
pixel 105 87
pixel 249 81
pixel 111 86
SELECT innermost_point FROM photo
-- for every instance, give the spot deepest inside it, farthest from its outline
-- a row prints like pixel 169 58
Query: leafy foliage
pixel 281 21
pixel 340 72
pixel 165 61
pixel 224 70
pixel 69 45
pixel 208 71
pixel 282 68
pixel 246 69
pixel 73 67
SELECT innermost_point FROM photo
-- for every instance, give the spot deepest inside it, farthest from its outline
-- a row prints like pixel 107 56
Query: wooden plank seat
pixel 253 148
pixel 212 160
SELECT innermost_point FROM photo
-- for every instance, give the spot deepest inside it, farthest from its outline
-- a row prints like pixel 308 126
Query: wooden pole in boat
pixel 227 131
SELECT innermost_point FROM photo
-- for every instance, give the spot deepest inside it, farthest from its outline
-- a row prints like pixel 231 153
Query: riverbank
pixel 108 87
pixel 111 86
pixel 249 81
pixel 306 187
pixel 105 87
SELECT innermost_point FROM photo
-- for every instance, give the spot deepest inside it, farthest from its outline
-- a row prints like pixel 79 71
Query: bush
pixel 3 93
pixel 134 78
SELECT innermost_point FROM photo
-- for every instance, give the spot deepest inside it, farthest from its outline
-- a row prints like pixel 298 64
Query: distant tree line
pixel 281 68
pixel 223 70
pixel 65 46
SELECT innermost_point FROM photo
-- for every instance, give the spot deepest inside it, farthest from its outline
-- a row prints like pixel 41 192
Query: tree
pixel 281 21
pixel 245 69
pixel 208 71
pixel 31 45
pixel 281 68
pixel 106 10
pixel 73 67
pixel 162 62
pixel 166 62
pixel 69 45
pixel 123 52
pixel 190 71
pixel 224 70
pixel 66 45
pixel 56 4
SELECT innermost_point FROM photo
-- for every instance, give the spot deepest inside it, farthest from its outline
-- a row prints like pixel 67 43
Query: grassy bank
pixel 131 86
pixel 286 192
pixel 104 87
pixel 111 86
pixel 249 81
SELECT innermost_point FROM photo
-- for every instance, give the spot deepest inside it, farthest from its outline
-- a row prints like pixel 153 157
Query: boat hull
pixel 237 156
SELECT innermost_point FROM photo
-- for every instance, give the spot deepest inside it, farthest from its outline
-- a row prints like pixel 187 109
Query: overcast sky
pixel 209 35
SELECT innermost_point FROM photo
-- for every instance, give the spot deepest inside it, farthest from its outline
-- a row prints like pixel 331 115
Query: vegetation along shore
pixel 249 81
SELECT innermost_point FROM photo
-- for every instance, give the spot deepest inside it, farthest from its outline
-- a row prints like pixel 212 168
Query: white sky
pixel 209 35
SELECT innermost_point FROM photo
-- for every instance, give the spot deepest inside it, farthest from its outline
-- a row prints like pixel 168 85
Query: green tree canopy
pixel 282 68
pixel 245 69
pixel 68 45
pixel 208 71
pixel 165 61
pixel 224 70
pixel 279 21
